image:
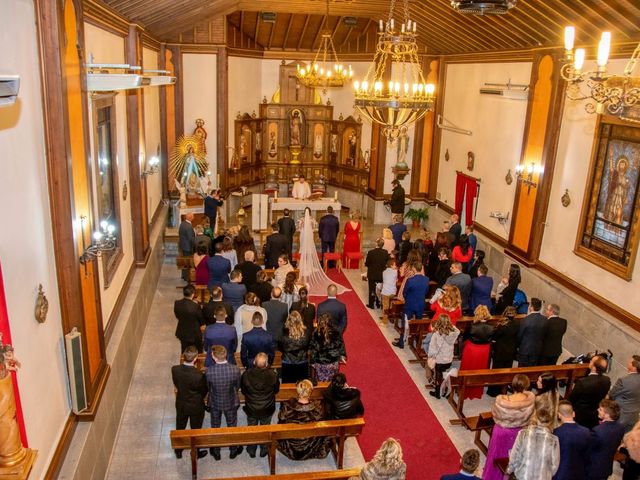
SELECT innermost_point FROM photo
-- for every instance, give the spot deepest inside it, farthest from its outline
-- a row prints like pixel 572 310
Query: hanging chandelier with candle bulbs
pixel 325 70
pixel 394 92
pixel 604 92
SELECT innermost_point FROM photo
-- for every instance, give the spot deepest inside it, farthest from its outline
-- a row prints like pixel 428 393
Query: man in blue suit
pixel 481 287
pixel 335 308
pixel 397 229
pixel 219 268
pixel 255 341
pixel 220 333
pixel 415 292
pixel 186 241
pixel 574 443
pixel 605 441
pixel 533 329
pixel 328 230
pixel 468 466
pixel 233 292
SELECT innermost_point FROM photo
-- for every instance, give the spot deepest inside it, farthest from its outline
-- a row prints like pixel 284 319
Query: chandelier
pixel 321 73
pixel 481 7
pixel 394 92
pixel 605 93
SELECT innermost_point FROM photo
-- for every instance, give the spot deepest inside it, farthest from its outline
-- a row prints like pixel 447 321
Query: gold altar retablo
pixel 295 154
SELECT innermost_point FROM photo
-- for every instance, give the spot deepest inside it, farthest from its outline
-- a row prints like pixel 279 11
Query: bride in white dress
pixel 311 272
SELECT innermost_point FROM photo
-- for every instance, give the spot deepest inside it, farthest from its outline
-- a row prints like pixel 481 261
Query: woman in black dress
pixel 326 349
pixel 508 294
pixel 294 346
pixel 505 344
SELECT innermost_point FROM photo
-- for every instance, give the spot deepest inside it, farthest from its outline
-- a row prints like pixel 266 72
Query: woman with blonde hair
pixel 449 303
pixel 440 351
pixel 389 242
pixel 303 410
pixel 386 464
pixel 294 346
pixel 229 252
pixel 477 348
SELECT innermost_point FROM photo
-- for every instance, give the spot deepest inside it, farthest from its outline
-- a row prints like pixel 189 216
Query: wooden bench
pixel 330 475
pixel 478 424
pixel 277 360
pixel 193 440
pixel 503 377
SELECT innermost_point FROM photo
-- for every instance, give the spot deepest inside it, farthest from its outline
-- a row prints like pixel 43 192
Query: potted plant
pixel 418 216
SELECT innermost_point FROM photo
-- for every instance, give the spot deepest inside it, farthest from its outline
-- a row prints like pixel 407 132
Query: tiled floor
pixel 143 448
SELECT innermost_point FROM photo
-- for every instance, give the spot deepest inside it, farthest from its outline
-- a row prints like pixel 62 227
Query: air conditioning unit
pixel 507 90
pixel 9 86
pixel 268 17
pixel 75 367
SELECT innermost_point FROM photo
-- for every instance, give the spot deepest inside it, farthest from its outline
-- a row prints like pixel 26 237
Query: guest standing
pixel 505 345
pixel 306 309
pixel 589 391
pixel 351 238
pixel 389 288
pixel 336 310
pixel 376 262
pixel 556 328
pixel 404 247
pixel 220 333
pixel 327 349
pixel 228 252
pixel 243 319
pixel 186 241
pixel 396 202
pixel 255 341
pixel 398 228
pixel 249 269
pixel 289 290
pixel 481 287
pixel 389 243
pixel 244 242
pixel 531 335
pixel 277 313
pixel 276 245
pixel 219 268
pixel 574 443
pixel 212 202
pixel 414 293
pixel 478 259
pixel 262 288
pixel 441 349
pixel 462 253
pixel 508 294
pixel 626 392
pixel 477 348
pixel 287 227
pixel 605 441
pixel 294 346
pixel 328 230
pixel 190 319
pixel 468 465
pixel 463 281
pixel 200 263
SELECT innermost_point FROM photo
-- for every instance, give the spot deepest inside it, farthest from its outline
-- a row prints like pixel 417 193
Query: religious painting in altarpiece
pixel 610 222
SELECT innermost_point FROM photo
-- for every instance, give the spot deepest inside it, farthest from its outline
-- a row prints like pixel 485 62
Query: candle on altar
pixel 335 195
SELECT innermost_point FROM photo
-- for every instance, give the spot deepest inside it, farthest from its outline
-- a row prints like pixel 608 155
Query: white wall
pixel 497 124
pixel 107 47
pixel 26 246
pixel 245 87
pixel 571 172
pixel 199 87
pixel 152 132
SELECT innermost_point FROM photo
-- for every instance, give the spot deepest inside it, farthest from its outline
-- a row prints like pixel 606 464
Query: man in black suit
pixel 277 313
pixel 328 229
pixel 589 391
pixel 287 227
pixel 191 388
pixel 276 245
pixel 397 198
pixel 249 268
pixel 211 204
pixel 574 442
pixel 186 241
pixel 262 288
pixel 189 315
pixel 209 309
pixel 531 335
pixel 455 230
pixel 556 328
pixel 605 441
pixel 375 262
pixel 335 308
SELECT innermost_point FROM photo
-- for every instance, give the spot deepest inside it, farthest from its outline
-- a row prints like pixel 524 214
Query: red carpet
pixel 393 405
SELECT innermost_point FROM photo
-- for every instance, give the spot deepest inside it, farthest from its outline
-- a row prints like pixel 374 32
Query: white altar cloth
pixel 295 204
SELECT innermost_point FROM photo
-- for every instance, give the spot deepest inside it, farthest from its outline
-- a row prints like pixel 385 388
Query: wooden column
pixel 167 124
pixel 542 130
pixel 378 161
pixel 222 117
pixel 137 154
pixel 68 156
pixel 424 140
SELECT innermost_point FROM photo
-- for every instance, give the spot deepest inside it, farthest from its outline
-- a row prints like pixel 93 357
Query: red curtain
pixel 466 191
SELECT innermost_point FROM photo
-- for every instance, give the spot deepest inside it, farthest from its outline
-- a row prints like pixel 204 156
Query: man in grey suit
pixel 463 282
pixel 186 241
pixel 626 392
pixel 533 329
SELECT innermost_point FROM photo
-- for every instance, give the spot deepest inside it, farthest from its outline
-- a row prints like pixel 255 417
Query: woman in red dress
pixel 351 239
pixel 477 348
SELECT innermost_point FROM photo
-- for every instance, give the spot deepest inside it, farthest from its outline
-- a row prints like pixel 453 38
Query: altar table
pixel 297 205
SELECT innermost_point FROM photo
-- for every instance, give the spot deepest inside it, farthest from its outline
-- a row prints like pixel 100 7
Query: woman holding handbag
pixel 441 349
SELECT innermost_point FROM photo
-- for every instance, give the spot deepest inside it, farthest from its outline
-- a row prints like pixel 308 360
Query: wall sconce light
pixel 104 240
pixel 502 218
pixel 527 177
pixel 152 167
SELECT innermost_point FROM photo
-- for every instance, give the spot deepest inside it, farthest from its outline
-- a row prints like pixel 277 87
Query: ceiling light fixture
pixel 394 92
pixel 483 7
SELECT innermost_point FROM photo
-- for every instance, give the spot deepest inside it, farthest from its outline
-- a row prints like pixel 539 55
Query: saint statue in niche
pixel 353 142
pixel 618 187
pixel 317 145
pixel 471 160
pixel 273 148
pixel 258 141
pixel 334 143
pixel 296 127
pixel 402 148
pixel 201 134
pixel 243 145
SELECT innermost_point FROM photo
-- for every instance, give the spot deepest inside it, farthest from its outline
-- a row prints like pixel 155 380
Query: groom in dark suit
pixel 287 227
pixel 328 229
pixel 191 388
pixel 276 245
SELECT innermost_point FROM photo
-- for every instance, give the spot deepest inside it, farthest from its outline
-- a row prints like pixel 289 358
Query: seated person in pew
pixel 386 464
pixel 303 410
pixel 468 465
pixel 510 414
pixel 342 401
pixel 259 386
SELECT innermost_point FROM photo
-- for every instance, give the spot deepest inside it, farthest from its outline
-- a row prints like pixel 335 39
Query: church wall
pixel 107 47
pixel 152 132
pixel 199 79
pixel 26 245
pixel 245 84
pixel 497 124
pixel 571 171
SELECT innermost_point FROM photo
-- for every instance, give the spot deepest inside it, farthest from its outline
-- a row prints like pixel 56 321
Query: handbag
pixel 431 363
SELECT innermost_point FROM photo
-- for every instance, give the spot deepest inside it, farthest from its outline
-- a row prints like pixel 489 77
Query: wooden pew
pixel 478 424
pixel 503 376
pixel 193 440
pixel 330 475
pixel 277 360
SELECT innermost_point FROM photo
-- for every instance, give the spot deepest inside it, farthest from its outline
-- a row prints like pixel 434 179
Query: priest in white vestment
pixel 301 189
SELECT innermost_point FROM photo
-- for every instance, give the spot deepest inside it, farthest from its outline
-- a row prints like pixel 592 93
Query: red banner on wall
pixel 6 338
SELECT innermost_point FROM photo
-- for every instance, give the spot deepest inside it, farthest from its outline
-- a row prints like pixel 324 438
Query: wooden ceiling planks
pixel 441 30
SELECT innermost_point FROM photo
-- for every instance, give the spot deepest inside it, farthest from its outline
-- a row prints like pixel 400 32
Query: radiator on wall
pixel 73 342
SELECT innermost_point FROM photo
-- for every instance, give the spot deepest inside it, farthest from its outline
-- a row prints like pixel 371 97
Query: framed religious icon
pixel 610 222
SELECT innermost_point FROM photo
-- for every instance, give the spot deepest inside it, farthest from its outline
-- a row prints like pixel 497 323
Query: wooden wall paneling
pixel 61 47
pixel 222 104
pixel 432 189
pixel 176 56
pixel 137 155
pixel 164 64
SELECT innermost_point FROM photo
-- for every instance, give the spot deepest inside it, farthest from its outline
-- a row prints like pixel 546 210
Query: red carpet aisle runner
pixel 393 405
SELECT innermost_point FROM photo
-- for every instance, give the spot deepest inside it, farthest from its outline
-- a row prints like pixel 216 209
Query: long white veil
pixel 311 272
